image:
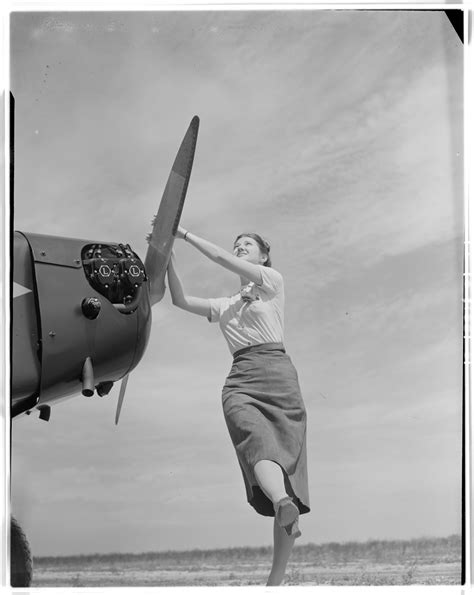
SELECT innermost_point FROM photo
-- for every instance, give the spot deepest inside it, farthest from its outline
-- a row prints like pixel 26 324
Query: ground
pixel 421 561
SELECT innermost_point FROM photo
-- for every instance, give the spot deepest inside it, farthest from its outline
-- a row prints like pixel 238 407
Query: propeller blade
pixel 167 219
pixel 123 386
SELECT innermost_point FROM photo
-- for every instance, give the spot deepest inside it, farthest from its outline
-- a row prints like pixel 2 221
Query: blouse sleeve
pixel 272 281
pixel 215 309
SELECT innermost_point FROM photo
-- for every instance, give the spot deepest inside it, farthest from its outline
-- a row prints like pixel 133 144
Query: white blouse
pixel 253 316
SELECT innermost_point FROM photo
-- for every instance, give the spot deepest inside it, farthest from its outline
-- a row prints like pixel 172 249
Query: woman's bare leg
pixel 282 546
pixel 270 478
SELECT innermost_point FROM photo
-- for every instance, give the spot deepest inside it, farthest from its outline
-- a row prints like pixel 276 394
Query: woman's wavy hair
pixel 262 244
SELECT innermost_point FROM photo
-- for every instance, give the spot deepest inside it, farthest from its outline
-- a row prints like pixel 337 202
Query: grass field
pixel 434 561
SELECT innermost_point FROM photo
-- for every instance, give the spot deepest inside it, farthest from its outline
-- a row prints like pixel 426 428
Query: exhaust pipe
pixel 88 378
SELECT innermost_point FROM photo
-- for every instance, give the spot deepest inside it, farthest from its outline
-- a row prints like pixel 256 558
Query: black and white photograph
pixel 236 312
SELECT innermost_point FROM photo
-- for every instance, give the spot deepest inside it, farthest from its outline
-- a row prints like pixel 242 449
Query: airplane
pixel 81 315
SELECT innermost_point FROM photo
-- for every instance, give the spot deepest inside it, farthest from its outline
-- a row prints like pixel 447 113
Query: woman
pixel 261 399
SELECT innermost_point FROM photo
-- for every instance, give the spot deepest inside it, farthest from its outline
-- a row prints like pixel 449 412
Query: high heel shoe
pixel 287 515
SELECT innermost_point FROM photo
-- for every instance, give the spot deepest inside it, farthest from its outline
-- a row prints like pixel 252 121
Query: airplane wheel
pixel 21 562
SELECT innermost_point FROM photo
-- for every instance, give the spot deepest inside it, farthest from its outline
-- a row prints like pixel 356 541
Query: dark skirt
pixel 266 418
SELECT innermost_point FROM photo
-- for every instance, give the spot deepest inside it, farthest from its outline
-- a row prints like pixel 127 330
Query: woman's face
pixel 248 249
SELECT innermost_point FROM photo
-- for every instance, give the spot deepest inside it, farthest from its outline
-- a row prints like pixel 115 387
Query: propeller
pixel 166 221
pixel 123 386
pixel 165 224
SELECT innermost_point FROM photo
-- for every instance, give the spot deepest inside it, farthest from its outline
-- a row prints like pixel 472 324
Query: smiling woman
pixel 261 398
pixel 247 243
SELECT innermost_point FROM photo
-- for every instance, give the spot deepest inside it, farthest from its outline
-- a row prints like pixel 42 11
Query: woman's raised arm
pixel 241 267
pixel 196 305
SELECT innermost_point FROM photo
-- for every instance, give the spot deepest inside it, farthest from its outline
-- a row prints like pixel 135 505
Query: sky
pixel 338 136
